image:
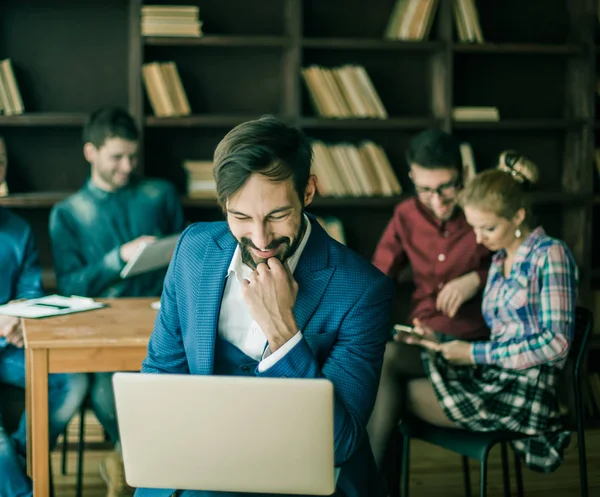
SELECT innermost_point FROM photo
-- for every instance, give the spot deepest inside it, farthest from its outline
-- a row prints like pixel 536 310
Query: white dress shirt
pixel 236 324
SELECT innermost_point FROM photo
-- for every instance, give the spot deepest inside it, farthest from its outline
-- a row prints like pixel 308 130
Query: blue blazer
pixel 342 309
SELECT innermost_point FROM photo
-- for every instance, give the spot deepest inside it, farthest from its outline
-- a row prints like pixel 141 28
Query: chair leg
pixel 483 478
pixel 583 478
pixel 51 476
pixel 394 469
pixel 519 476
pixel 63 451
pixel 405 474
pixel 466 475
pixel 505 470
pixel 80 446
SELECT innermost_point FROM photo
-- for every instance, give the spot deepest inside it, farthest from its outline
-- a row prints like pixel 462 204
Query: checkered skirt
pixel 490 398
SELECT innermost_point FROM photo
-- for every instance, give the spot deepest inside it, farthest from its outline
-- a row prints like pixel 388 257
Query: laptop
pixel 226 433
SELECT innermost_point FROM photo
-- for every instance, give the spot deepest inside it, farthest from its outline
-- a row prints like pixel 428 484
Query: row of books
pixel 165 90
pixel 171 20
pixel 467 21
pixel 412 20
pixel 11 103
pixel 347 170
pixel 342 92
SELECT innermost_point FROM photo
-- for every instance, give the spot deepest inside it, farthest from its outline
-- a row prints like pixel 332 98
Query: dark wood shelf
pixel 44 119
pixel 353 202
pixel 517 48
pixel 203 203
pixel 368 123
pixel 217 41
pixel 48 199
pixel 559 198
pixel 198 121
pixel 33 200
pixel 370 44
pixel 525 124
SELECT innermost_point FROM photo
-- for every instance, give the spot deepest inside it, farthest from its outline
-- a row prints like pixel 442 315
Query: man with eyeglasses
pixel 430 233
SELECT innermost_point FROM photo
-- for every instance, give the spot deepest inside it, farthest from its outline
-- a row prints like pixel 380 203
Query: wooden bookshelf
pixel 537 66
pixel 217 41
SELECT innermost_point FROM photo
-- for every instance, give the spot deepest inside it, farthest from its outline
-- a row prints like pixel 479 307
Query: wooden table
pixel 113 338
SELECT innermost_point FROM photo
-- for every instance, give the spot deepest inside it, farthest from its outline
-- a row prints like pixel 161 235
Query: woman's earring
pixel 517 233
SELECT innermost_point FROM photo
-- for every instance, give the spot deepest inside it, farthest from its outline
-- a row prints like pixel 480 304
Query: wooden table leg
pixel 28 374
pixel 38 365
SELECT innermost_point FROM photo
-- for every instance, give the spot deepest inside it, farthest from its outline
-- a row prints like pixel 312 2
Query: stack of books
pixel 201 183
pixel 484 113
pixel 11 103
pixel 171 20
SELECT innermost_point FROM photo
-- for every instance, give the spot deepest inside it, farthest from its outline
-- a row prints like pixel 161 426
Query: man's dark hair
pixel 434 149
pixel 109 122
pixel 265 146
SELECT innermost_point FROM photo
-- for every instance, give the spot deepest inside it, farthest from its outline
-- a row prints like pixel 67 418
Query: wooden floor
pixel 434 472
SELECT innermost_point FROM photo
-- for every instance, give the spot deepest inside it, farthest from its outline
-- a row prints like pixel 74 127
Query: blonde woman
pixel 508 382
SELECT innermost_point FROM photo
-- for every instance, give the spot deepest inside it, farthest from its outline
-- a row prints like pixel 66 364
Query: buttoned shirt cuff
pixel 270 358
pixel 481 352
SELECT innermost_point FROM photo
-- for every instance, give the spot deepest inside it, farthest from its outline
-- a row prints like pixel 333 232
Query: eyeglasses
pixel 444 190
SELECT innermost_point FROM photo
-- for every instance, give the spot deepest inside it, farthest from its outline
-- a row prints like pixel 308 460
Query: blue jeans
pixel 65 396
pixel 102 396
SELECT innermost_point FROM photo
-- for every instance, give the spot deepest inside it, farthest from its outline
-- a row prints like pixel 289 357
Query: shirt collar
pixel 457 220
pixel 243 271
pixel 524 249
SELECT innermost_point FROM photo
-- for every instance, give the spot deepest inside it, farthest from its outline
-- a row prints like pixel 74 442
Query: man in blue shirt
pixel 96 231
pixel 21 279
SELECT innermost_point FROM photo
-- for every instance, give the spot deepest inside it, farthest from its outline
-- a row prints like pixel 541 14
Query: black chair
pixel 477 445
pixel 12 406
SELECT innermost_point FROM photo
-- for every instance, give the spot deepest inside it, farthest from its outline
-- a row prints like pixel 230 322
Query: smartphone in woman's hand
pixel 402 328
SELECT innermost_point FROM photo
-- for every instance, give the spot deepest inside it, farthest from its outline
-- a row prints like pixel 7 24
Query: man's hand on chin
pixel 270 294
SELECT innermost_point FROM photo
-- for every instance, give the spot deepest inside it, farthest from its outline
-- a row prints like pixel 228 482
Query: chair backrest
pixel 573 373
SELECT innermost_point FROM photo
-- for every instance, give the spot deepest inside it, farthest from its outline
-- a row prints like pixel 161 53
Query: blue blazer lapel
pixel 312 274
pixel 209 295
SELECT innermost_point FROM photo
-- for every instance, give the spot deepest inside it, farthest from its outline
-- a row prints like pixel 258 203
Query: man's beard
pixel 289 247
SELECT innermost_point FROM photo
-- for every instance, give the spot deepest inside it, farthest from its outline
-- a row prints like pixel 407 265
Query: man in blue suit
pixel 269 294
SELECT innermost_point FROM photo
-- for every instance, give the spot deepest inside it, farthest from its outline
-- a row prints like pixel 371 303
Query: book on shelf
pixel 464 113
pixel 11 103
pixel 343 92
pixel 171 20
pixel 348 170
pixel 411 20
pixel 469 168
pixel 467 21
pixel 200 180
pixel 334 227
pixel 3 189
pixel 165 90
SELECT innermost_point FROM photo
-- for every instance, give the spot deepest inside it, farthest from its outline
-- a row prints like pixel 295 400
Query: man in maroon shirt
pixel 449 269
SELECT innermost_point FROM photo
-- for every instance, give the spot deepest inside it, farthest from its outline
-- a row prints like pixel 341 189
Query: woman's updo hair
pixel 502 190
